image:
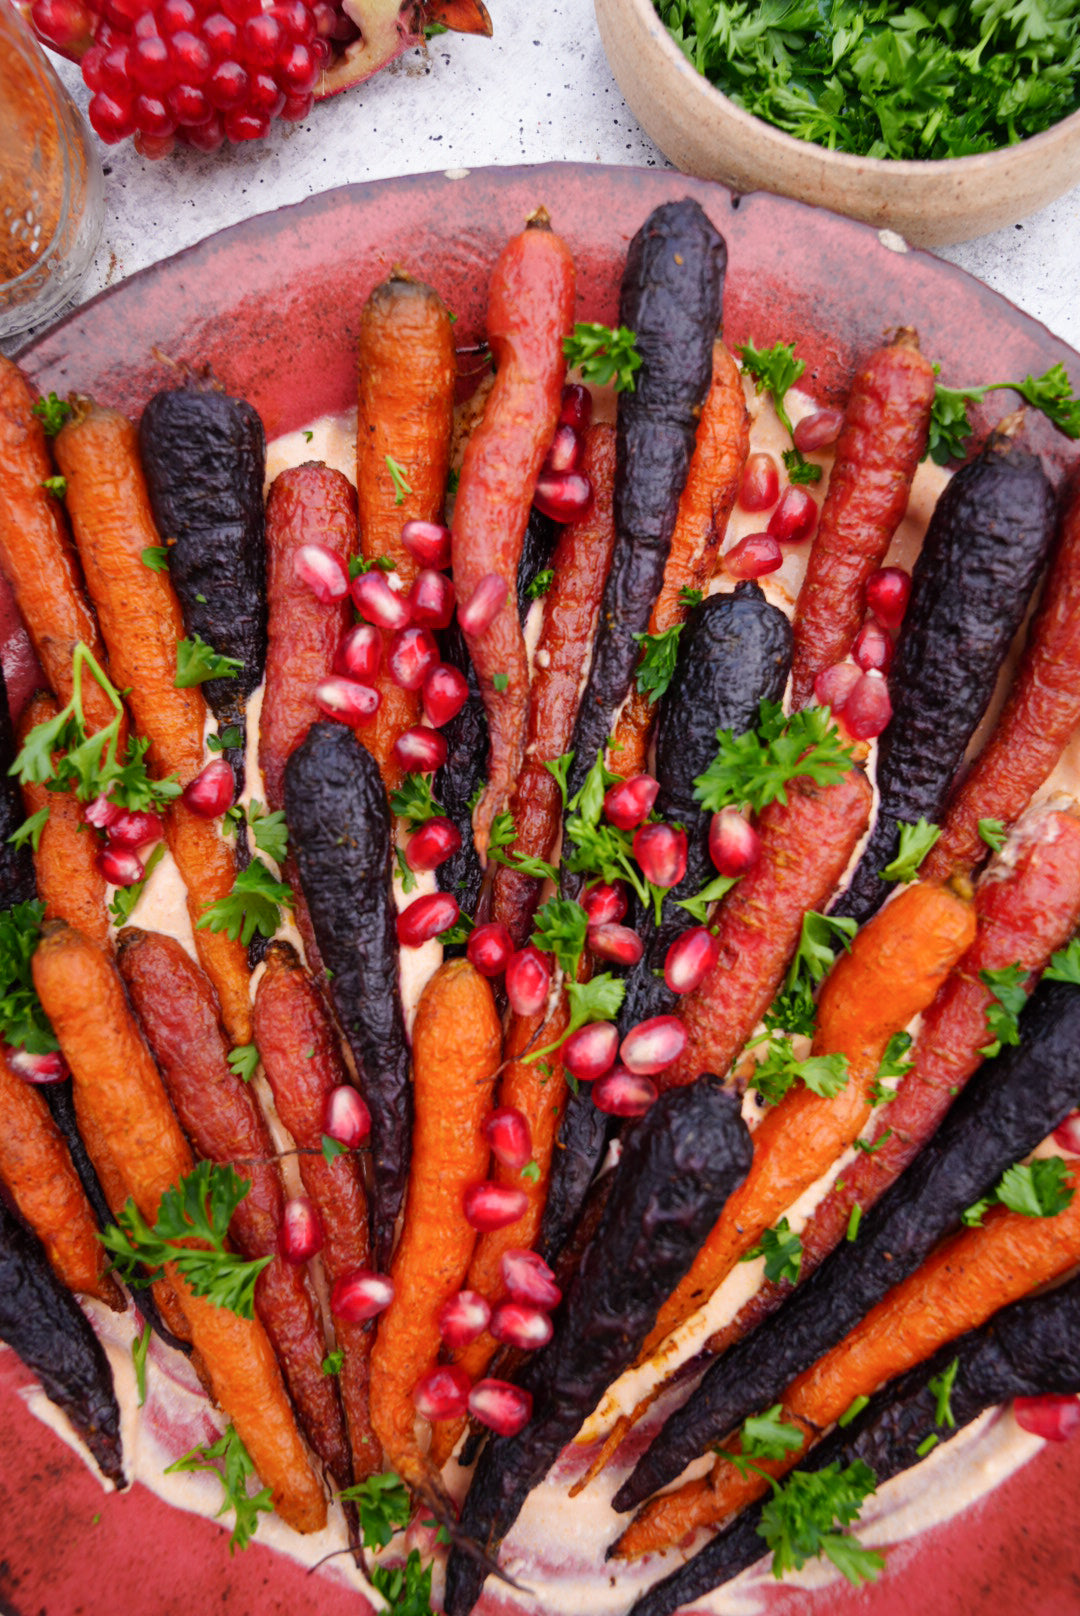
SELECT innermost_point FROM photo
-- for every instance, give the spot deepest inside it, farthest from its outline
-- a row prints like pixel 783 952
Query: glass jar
pixel 52 202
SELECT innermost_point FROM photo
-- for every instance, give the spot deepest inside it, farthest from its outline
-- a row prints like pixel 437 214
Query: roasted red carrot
pixel 407 375
pixel 580 564
pixel 1042 711
pixel 302 1061
pixel 530 311
pixel 69 883
pixel 119 1087
pixel 457 1042
pixel 877 454
pixel 141 624
pixel 36 1167
pixel 178 1013
pixel 712 484
pixel 36 554
pixel 805 848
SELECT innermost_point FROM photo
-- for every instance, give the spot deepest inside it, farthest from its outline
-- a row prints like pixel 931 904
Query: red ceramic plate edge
pixel 273 304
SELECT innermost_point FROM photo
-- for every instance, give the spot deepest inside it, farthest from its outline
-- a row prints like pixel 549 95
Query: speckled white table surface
pixel 539 91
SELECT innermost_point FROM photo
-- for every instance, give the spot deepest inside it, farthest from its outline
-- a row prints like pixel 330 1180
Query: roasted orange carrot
pixel 407 375
pixel 302 1061
pixel 457 1042
pixel 37 1169
pixel 36 554
pixel 119 1087
pixel 141 624
pixel 178 1013
pixel 579 563
pixel 706 502
pixel 69 882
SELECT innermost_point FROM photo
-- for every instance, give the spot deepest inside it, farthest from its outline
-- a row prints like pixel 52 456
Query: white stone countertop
pixel 539 91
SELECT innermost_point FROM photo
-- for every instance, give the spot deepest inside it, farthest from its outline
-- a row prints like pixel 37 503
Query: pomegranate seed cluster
pixel 857 690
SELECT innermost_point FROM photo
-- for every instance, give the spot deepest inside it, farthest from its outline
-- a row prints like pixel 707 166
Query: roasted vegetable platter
pixel 595 1244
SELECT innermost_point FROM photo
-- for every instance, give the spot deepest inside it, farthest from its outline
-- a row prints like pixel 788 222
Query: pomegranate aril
pixel 588 1053
pixel 241 125
pixel 376 601
pixel 754 556
pixel 427 542
pixel 300 1235
pixel 734 844
pixel 359 653
pixel 508 1133
pixel 411 657
pixel 206 137
pixel 116 71
pixel 759 488
pixel 1055 1417
pixel 489 948
pixel 1068 1134
pixel 661 852
pixel 653 1045
pixel 618 943
pixel 101 812
pixel 295 19
pixel 604 904
pixel 145 25
pixel 565 496
pixel 360 1295
pixel 152 65
pixel 817 431
pixel 528 1278
pixel 576 407
pixel 91 65
pixel 629 802
pixel 426 918
pixel 493 1206
pixel 528 981
pixel 431 599
pixel 238 11
pixel 887 592
pixel 794 518
pixel 463 1317
pixel 624 1094
pixel 873 648
pixel 211 791
pixel 134 829
pixel 220 36
pixel 111 118
pixel 483 606
pixel 264 97
pixel 260 40
pixel 345 1116
pixel 444 694
pixel 297 66
pixel 152 117
pixel 66 24
pixel 690 959
pixel 419 750
pixel 435 841
pixel 868 709
pixel 344 699
pixel 443 1393
pixel 188 105
pixel 296 107
pixel 120 867
pixel 38 1069
pixel 503 1407
pixel 176 16
pixel 567 450
pixel 834 685
pixel 227 85
pixel 154 146
pixel 518 1324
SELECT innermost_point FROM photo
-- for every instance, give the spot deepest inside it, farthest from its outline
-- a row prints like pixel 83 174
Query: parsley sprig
pixel 231 1463
pixel 124 899
pixel 540 585
pixel 894 1063
pixel 1002 1013
pixel 780 1069
pixel 820 939
pixel 601 850
pixel 606 357
pixel 782 1250
pixel 503 836
pixel 1064 965
pixel 23 1022
pixel 764 1436
pixel 253 905
pixel 561 928
pixel 800 1521
pixel 52 412
pixel 383 1502
pixel 196 662
pixel 915 842
pixel 1036 1190
pixel 775 370
pixel 656 669
pixel 950 428
pixel 412 801
pixel 756 767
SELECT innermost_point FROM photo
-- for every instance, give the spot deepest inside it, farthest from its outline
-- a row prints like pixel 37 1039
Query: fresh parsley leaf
pixel 308 434
pixel 56 486
pixel 540 584
pixel 406 1589
pixel 252 906
pixel 139 1348
pixel 870 1147
pixel 229 1460
pixel 941 1386
pixel 503 834
pixel 124 899
pixel 1052 394
pixel 597 1000
pixel 408 879
pixel 52 412
pixel 30 830
pixel 782 1251
pixel 915 842
pixel 1038 1190
pixel 602 850
pixel 332 1149
pixel 358 565
pixel 458 933
pixel 1002 1013
pixel 531 1172
pixel 561 928
pixel 559 768
pixel 412 801
pixel 993 833
pixel 606 357
pixel 477 793
pixel 397 477
pixel 244 1060
pixel 270 831
pixel 756 767
pixel 775 370
pixel 334 1362
pixel 196 662
pixel 657 666
pixel 949 424
pixel 156 557
pixel 690 597
pixel 384 1507
pixel 779 1071
pixel 769 1435
pixel 453 478
pixel 1064 966
pixel 500 681
pixel 799 1521
pixel 820 939
pixel 229 740
pixel 710 893
pixel 893 1064
pixel 799 469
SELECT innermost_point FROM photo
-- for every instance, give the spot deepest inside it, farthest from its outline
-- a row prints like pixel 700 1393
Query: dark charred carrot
pixel 17 884
pixel 712 484
pixel 36 1167
pixel 1042 711
pixel 530 311
pixel 178 1013
pixel 407 376
pixel 119 1087
pixel 580 563
pixel 141 623
pixel 457 1043
pixel 805 848
pixel 36 554
pixel 302 1061
pixel 886 424
pixel 69 883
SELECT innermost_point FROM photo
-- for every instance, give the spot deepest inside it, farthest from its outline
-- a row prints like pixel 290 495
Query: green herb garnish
pixel 604 356
pixel 196 662
pixel 52 412
pixel 397 477
pixel 229 1460
pixel 915 842
pixel 540 584
pixel 756 767
pixel 1002 1014
pixel 782 1251
pixel 156 557
pixel 244 1060
pixel 252 906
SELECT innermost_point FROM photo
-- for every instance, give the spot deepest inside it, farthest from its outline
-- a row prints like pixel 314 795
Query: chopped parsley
pixel 503 835
pixel 800 1520
pixel 408 879
pixel 606 357
pixel 334 1362
pixel 779 1071
pixel 56 486
pixel 1064 965
pixel 915 842
pixel 384 1506
pixel 559 769
pixel 941 1386
pixel 244 1061
pixel 561 928
pixel 690 597
pixel 30 830
pixel 229 740
pixel 156 557
pixel 657 666
pixel 540 584
pixel 52 412
pixel 397 477
pixel 755 768
pixel 820 939
pixel 1050 393
pixel 413 802
pixel 196 662
pixel 993 833
pixel 269 830
pixel 139 1348
pixel 710 893
pixel 894 1063
pixel 1002 1013
pixel 124 899
pixel 782 1251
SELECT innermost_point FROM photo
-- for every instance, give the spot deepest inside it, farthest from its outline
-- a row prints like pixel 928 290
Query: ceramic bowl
pixel 928 203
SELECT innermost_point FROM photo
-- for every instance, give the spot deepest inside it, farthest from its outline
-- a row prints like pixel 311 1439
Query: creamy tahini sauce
pixel 558 1544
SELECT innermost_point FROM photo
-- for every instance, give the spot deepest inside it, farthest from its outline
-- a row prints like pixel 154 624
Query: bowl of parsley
pixel 939 122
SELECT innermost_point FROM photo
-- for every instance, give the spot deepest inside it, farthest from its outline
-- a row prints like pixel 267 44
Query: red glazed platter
pixel 273 304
